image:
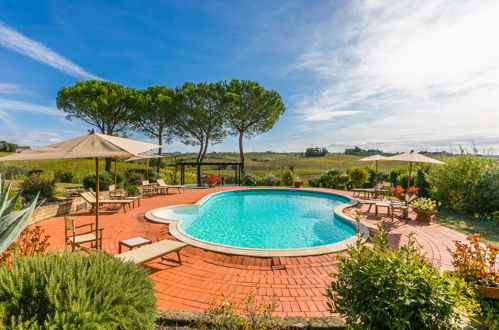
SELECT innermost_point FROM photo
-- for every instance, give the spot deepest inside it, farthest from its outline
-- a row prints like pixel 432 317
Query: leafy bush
pixel 66 177
pixel 229 179
pixel 38 183
pixel 248 180
pixel 372 177
pixel 153 175
pixel 476 262
pixel 13 171
pixel 380 287
pixel 76 291
pixel 270 180
pixel 135 178
pixel 335 179
pixel 131 189
pixel 398 176
pixel 453 184
pixel 314 182
pixel 105 180
pixel 358 176
pixel 287 179
pixel 485 198
pixel 420 179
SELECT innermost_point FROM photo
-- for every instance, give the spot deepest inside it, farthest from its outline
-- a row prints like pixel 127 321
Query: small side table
pixel 133 242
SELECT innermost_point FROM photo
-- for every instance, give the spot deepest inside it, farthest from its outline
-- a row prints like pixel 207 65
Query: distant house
pixel 22 148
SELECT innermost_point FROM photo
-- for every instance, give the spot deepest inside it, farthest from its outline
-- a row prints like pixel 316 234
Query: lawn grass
pixel 469 225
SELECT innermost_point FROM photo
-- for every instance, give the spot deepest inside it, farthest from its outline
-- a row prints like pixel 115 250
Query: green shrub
pixel 131 189
pixel 12 171
pixel 358 176
pixel 395 176
pixel 485 198
pixel 38 183
pixel 153 175
pixel 420 180
pixel 76 291
pixel 270 180
pixel 380 287
pixel 314 182
pixel 135 178
pixel 335 179
pixel 287 179
pixel 105 180
pixel 248 180
pixel 66 177
pixel 453 184
pixel 229 179
pixel 372 177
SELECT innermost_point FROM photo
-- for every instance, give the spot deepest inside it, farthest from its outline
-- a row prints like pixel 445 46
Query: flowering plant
pixel 398 192
pixel 476 262
pixel 424 204
pixel 31 242
pixel 413 191
pixel 213 179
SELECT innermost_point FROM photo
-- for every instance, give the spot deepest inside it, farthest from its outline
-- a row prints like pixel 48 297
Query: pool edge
pixel 175 230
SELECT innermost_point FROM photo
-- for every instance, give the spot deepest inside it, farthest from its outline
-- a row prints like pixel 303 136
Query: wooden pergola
pixel 237 170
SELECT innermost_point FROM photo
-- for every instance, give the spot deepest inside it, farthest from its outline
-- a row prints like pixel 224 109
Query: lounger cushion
pixel 152 251
pixel 83 238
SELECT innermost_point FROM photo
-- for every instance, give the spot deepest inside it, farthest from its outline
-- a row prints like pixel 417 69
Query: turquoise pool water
pixel 268 219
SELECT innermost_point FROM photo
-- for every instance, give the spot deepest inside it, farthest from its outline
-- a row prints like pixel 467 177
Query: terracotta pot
pixel 489 291
pixel 212 184
pixel 424 216
pixel 298 184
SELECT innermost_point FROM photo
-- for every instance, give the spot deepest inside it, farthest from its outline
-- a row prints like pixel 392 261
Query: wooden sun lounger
pixel 152 251
pixel 163 186
pixel 92 201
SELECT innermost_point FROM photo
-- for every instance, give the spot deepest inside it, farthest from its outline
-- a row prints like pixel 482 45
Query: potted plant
pixel 476 263
pixel 212 180
pixel 398 192
pixel 298 183
pixel 425 208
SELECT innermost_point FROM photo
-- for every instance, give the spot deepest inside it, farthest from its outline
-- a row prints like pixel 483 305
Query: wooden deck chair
pixel 89 198
pixel 74 237
pixel 115 193
pixel 163 185
pixel 152 251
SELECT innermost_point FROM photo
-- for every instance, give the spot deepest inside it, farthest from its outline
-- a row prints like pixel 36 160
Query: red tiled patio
pixel 206 276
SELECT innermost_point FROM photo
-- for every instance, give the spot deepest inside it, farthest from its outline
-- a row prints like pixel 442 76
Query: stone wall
pixel 63 207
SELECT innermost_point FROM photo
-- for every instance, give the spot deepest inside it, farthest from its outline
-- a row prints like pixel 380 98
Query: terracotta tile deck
pixel 206 276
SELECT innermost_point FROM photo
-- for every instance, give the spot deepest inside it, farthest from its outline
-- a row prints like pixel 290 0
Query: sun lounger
pixel 152 251
pixel 163 186
pixel 89 198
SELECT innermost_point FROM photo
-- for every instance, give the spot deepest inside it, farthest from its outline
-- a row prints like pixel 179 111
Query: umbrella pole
pixel 376 173
pixel 97 189
pixel 115 173
pixel 409 179
pixel 147 168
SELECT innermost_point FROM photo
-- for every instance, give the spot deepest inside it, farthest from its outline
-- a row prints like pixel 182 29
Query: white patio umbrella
pixel 91 145
pixel 413 157
pixel 376 159
pixel 146 157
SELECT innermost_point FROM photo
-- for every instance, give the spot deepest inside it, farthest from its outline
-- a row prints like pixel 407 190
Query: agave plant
pixel 12 223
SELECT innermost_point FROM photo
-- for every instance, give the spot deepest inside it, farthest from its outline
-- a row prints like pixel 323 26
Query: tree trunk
pixel 108 164
pixel 205 148
pixel 241 151
pixel 160 150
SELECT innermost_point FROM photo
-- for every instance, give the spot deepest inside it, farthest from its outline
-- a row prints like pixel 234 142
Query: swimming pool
pixel 270 220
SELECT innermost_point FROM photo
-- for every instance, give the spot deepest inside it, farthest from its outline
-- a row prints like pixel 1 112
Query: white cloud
pixel 34 138
pixel 13 40
pixel 417 71
pixel 6 88
pixel 10 105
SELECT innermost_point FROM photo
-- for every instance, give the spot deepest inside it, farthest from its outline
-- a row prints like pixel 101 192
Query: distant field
pixel 256 163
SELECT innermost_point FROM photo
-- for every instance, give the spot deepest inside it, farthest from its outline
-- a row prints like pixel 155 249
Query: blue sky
pixel 392 75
